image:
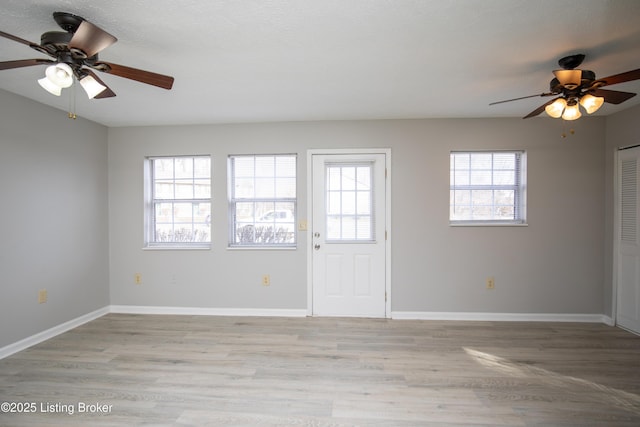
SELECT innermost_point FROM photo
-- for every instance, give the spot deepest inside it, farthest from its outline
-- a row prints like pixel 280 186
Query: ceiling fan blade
pixel 32 45
pixel 540 109
pixel 522 97
pixel 107 93
pixel 17 39
pixel 621 78
pixel 613 96
pixel 155 79
pixel 91 39
pixel 7 65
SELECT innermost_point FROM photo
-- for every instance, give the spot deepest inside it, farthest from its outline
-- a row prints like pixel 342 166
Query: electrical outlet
pixel 491 283
pixel 42 296
pixel 266 280
pixel 137 279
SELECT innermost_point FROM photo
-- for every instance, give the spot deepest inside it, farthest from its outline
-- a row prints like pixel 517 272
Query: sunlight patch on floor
pixel 629 401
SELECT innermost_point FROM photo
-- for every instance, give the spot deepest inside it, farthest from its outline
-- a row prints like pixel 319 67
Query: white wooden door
pixel 348 235
pixel 628 274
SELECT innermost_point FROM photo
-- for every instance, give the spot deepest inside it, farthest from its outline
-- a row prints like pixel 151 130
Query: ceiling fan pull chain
pixel 72 101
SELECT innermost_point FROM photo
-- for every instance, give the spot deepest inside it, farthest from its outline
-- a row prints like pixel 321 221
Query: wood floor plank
pixel 234 371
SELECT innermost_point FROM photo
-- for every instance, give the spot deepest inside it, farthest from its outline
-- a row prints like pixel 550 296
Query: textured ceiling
pixel 290 60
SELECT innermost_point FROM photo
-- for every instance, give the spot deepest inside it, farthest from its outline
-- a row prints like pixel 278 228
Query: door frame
pixel 617 222
pixel 616 238
pixel 387 225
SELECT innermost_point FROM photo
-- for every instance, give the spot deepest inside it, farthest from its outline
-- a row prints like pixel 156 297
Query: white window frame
pixel 151 201
pixel 519 187
pixel 233 200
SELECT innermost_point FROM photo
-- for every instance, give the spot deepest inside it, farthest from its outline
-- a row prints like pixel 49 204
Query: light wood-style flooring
pixel 231 371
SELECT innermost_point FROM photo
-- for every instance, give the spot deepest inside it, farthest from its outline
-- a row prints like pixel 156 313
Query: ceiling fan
pixel 75 54
pixel 574 88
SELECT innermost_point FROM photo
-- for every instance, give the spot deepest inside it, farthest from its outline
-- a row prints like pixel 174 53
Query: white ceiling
pixel 291 60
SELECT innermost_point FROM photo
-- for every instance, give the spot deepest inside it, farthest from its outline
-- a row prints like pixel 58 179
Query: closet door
pixel 628 303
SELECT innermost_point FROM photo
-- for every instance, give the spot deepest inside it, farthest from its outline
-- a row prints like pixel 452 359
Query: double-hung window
pixel 487 187
pixel 178 202
pixel 262 200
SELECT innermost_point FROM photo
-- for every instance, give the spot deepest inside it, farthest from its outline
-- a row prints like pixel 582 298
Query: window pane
pixel 504 178
pixel 481 213
pixel 202 167
pixel 163 213
pixel 202 188
pixel 176 216
pixel 334 203
pixel 163 168
pixel 262 203
pixel 163 189
pixel 349 199
pixel 364 178
pixel 184 167
pixel 460 161
pixel 285 188
pixel 286 166
pixel 505 197
pixel 480 177
pixel 481 161
pixel 348 228
pixel 348 178
pixel 334 229
pixel 487 187
pixel 265 166
pixel 265 188
pixel 243 166
pixel 184 189
pixel 333 175
pixel 461 177
pixel 482 197
pixel 504 161
pixel 364 229
pixel 364 203
pixel 243 188
pixel 348 202
pixel 462 197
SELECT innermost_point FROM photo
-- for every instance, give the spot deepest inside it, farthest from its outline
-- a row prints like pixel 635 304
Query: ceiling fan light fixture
pixel 91 86
pixel 569 78
pixel 571 112
pixel 591 103
pixel 556 108
pixel 60 74
pixel 49 86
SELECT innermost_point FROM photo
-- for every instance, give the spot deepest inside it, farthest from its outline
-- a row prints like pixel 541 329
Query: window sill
pixel 176 248
pixel 487 224
pixel 262 248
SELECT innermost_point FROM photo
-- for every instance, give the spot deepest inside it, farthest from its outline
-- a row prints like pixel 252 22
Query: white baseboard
pixel 23 344
pixel 204 311
pixel 503 317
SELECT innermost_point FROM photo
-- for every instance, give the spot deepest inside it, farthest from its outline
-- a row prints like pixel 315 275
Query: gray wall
pixel 554 265
pixel 53 220
pixel 54 188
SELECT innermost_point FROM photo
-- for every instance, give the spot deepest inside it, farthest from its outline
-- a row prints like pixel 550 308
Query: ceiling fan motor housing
pixel 570 62
pixel 54 41
pixel 68 21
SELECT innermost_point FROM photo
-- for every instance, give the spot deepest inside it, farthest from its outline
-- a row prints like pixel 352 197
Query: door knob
pixel 316 246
